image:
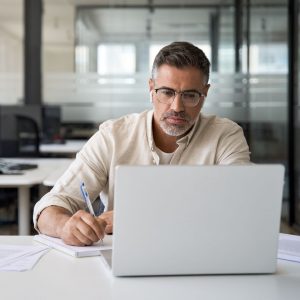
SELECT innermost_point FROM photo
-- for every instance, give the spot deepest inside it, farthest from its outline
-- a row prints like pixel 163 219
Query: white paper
pixel 56 243
pixel 289 247
pixel 20 258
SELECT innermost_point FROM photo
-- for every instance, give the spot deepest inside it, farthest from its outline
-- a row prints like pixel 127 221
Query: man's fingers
pixel 108 218
pixel 98 226
pixel 71 239
pixel 87 233
pixel 108 229
pixel 83 239
pixel 83 229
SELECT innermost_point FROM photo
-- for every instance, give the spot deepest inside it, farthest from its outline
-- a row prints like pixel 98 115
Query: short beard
pixel 174 129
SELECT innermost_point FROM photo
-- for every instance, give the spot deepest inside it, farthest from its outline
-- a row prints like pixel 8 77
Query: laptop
pixel 183 220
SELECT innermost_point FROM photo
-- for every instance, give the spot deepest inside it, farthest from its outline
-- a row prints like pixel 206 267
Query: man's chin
pixel 174 130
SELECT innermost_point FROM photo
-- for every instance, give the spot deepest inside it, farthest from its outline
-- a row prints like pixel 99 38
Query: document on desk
pixel 56 243
pixel 20 258
pixel 289 247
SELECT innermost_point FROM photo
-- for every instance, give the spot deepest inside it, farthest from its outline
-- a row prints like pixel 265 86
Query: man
pixel 174 132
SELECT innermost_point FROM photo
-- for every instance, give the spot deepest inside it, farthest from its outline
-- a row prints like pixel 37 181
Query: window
pixel 269 58
pixel 116 59
pixel 82 59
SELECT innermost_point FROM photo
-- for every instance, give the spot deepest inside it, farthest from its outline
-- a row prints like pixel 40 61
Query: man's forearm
pixel 52 220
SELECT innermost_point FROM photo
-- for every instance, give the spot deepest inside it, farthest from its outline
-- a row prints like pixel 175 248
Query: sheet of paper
pixel 58 244
pixel 289 247
pixel 20 258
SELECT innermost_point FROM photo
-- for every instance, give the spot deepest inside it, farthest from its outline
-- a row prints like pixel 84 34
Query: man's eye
pixel 167 93
pixel 189 96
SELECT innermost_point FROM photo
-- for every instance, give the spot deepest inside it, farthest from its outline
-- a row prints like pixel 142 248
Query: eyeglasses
pixel 188 98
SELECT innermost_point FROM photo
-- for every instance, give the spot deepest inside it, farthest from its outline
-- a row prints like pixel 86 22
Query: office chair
pixel 19 131
pixel 28 137
pixel 21 138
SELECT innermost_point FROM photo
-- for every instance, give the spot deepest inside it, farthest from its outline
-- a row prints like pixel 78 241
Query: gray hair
pixel 181 55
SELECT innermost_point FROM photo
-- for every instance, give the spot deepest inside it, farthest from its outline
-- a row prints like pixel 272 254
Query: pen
pixel 87 199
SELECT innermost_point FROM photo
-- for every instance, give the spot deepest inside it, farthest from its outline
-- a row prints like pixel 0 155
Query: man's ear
pixel 151 99
pixel 151 84
pixel 151 88
pixel 205 92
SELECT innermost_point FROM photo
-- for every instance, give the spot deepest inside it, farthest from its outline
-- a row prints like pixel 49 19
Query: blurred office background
pixel 81 62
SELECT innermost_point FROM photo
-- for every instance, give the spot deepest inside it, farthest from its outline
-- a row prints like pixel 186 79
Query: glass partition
pixel 113 58
pixel 11 52
pixel 267 94
pixel 268 83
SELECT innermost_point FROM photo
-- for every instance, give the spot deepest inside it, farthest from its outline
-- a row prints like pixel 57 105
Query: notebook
pixel 180 220
pixel 289 247
pixel 58 244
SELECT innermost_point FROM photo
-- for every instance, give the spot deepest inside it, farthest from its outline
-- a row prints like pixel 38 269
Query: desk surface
pixel 59 276
pixel 46 167
pixel 69 147
pixel 48 171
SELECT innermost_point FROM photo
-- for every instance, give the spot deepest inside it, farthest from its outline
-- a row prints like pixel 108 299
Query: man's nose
pixel 177 104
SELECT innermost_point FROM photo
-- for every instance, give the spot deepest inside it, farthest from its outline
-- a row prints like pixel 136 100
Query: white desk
pixel 59 276
pixel 54 175
pixel 30 178
pixel 69 147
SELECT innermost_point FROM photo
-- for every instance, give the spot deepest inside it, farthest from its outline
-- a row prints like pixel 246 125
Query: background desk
pixel 70 147
pixel 46 166
pixel 59 276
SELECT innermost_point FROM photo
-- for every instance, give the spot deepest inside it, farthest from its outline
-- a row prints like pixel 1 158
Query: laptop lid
pixel 171 220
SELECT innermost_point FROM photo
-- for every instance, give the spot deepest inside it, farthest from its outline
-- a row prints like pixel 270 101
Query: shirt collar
pixel 149 129
pixel 187 138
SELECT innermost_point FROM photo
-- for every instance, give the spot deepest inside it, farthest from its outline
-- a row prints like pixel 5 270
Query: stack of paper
pixel 289 247
pixel 76 251
pixel 20 258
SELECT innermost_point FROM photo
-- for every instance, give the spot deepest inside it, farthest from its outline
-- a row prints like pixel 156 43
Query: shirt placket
pixel 177 155
pixel 155 156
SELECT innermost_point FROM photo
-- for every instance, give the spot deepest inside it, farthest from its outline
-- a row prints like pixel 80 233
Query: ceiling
pixel 59 17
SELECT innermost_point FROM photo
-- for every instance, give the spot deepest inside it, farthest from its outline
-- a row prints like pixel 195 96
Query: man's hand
pixel 83 229
pixel 108 218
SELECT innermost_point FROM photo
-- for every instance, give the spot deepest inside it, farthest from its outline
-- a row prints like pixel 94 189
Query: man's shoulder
pixel 213 120
pixel 131 120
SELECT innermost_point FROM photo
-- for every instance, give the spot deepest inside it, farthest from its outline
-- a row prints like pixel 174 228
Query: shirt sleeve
pixel 233 147
pixel 90 167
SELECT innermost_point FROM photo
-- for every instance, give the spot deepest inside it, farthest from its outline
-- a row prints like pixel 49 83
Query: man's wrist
pixel 52 219
pixel 61 221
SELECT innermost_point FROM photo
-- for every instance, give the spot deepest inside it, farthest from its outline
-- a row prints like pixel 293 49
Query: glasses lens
pixel 165 95
pixel 190 98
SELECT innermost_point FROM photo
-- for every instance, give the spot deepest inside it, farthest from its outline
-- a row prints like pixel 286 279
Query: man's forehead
pixel 169 69
pixel 168 72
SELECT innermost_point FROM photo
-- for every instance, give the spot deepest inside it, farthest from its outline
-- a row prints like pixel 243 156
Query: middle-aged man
pixel 174 132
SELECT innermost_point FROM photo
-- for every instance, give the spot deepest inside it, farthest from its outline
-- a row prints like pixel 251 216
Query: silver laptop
pixel 179 220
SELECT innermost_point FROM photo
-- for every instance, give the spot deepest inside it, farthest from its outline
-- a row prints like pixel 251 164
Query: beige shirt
pixel 129 140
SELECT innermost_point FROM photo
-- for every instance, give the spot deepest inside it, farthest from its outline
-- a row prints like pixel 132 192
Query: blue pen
pixel 87 199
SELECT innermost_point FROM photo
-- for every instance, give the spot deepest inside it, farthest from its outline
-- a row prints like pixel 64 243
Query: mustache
pixel 173 113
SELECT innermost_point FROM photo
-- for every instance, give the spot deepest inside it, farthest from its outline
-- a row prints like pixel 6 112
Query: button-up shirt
pixel 129 140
